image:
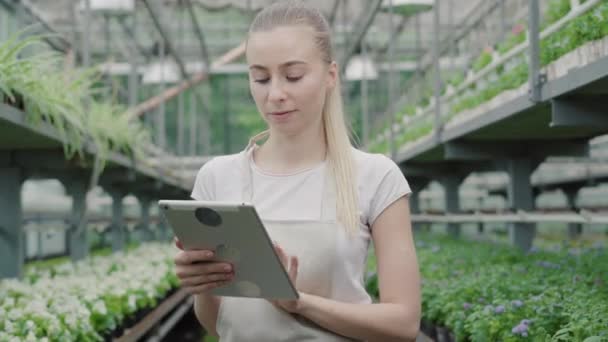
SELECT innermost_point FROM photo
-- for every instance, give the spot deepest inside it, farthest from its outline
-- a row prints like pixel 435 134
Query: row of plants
pixel 90 300
pixel 68 99
pixel 482 291
pixel 591 26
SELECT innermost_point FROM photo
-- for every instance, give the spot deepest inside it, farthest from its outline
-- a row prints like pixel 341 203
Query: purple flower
pixel 526 322
pixel 517 303
pixel 499 309
pixel 482 300
pixel 466 306
pixel 520 329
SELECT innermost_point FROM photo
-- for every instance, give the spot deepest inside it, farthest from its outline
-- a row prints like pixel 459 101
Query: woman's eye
pixel 294 79
pixel 262 80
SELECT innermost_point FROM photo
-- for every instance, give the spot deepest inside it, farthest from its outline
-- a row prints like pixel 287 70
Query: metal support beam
pixel 12 242
pixel 521 197
pixel 199 34
pixel 78 243
pixel 536 80
pixel 451 185
pixel 144 225
pixel 490 150
pixel 579 111
pixel 363 24
pixel 117 227
pixel 417 184
pixel 438 126
pixel 574 229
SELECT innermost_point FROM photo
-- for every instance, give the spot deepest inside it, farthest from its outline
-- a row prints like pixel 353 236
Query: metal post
pixel 12 251
pixel 436 33
pixel 574 229
pixel 418 86
pixel 133 77
pixel 451 185
pixel 364 99
pixel 521 197
pixel 193 128
pixel 503 20
pixel 86 30
pixel 535 79
pixel 180 98
pixel 144 225
pixel 118 227
pixel 391 83
pixel 78 243
pixel 226 116
pixel 161 132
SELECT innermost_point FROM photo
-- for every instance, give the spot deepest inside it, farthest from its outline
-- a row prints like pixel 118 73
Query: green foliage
pixel 516 37
pixel 556 10
pixel 50 93
pixel 490 292
pixel 482 61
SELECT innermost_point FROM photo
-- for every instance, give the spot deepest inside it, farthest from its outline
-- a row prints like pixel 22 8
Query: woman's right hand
pixel 198 272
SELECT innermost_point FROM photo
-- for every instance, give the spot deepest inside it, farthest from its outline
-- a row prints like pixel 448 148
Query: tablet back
pixel 236 233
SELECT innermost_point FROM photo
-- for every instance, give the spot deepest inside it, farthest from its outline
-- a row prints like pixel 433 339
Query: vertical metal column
pixel 364 99
pixel 133 77
pixel 391 82
pixel 436 33
pixel 86 31
pixel 144 224
pixel 574 229
pixel 535 79
pixel 193 127
pixel 161 132
pixel 180 98
pixel 418 82
pixel 451 185
pixel 118 226
pixel 78 243
pixel 226 116
pixel 12 251
pixel 521 197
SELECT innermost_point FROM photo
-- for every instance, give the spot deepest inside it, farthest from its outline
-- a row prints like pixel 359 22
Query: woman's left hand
pixel 291 265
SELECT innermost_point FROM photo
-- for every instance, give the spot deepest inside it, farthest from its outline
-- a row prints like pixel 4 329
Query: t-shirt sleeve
pixel 392 185
pixel 204 184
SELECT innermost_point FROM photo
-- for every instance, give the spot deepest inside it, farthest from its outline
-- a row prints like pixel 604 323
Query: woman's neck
pixel 290 153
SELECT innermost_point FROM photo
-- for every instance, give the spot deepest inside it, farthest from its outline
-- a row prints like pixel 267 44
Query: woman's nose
pixel 276 92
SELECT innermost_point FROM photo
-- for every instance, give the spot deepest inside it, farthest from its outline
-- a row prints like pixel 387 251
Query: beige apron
pixel 314 242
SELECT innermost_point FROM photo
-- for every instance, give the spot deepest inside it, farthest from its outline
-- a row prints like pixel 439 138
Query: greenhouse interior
pixel 494 111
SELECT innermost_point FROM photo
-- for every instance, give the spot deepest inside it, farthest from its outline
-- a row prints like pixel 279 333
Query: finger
pixel 190 257
pixel 293 268
pixel 205 279
pixel 282 255
pixel 205 287
pixel 185 271
pixel 178 244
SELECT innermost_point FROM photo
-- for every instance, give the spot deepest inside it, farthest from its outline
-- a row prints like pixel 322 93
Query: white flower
pixel 8 326
pixel 31 337
pixel 30 325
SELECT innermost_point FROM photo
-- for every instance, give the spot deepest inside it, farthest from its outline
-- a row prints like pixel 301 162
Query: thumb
pixel 178 244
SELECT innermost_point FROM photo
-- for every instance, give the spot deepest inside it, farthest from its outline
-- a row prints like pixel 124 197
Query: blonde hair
pixel 339 149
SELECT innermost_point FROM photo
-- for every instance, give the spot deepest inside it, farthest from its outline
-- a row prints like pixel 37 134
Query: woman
pixel 321 200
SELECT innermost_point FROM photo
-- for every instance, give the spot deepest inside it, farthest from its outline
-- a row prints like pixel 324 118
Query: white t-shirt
pixel 298 196
pixel 289 197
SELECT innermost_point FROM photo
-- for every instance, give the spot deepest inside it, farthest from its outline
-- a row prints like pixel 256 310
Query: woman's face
pixel 288 78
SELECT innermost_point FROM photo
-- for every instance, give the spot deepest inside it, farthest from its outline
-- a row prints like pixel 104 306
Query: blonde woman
pixel 321 200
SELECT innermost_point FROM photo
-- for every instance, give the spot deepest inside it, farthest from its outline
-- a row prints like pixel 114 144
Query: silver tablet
pixel 236 233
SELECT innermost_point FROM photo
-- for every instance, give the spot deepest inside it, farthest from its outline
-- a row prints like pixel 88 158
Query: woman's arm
pixel 397 316
pixel 205 308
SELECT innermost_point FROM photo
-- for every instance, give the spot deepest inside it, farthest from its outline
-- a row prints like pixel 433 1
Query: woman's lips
pixel 282 113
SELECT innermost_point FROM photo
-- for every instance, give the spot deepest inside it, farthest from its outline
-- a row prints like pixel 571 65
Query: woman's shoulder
pixel 373 163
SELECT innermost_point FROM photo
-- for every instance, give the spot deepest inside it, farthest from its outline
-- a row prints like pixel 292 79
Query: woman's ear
pixel 332 75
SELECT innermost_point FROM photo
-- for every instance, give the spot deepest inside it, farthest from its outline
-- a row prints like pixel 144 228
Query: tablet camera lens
pixel 208 217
